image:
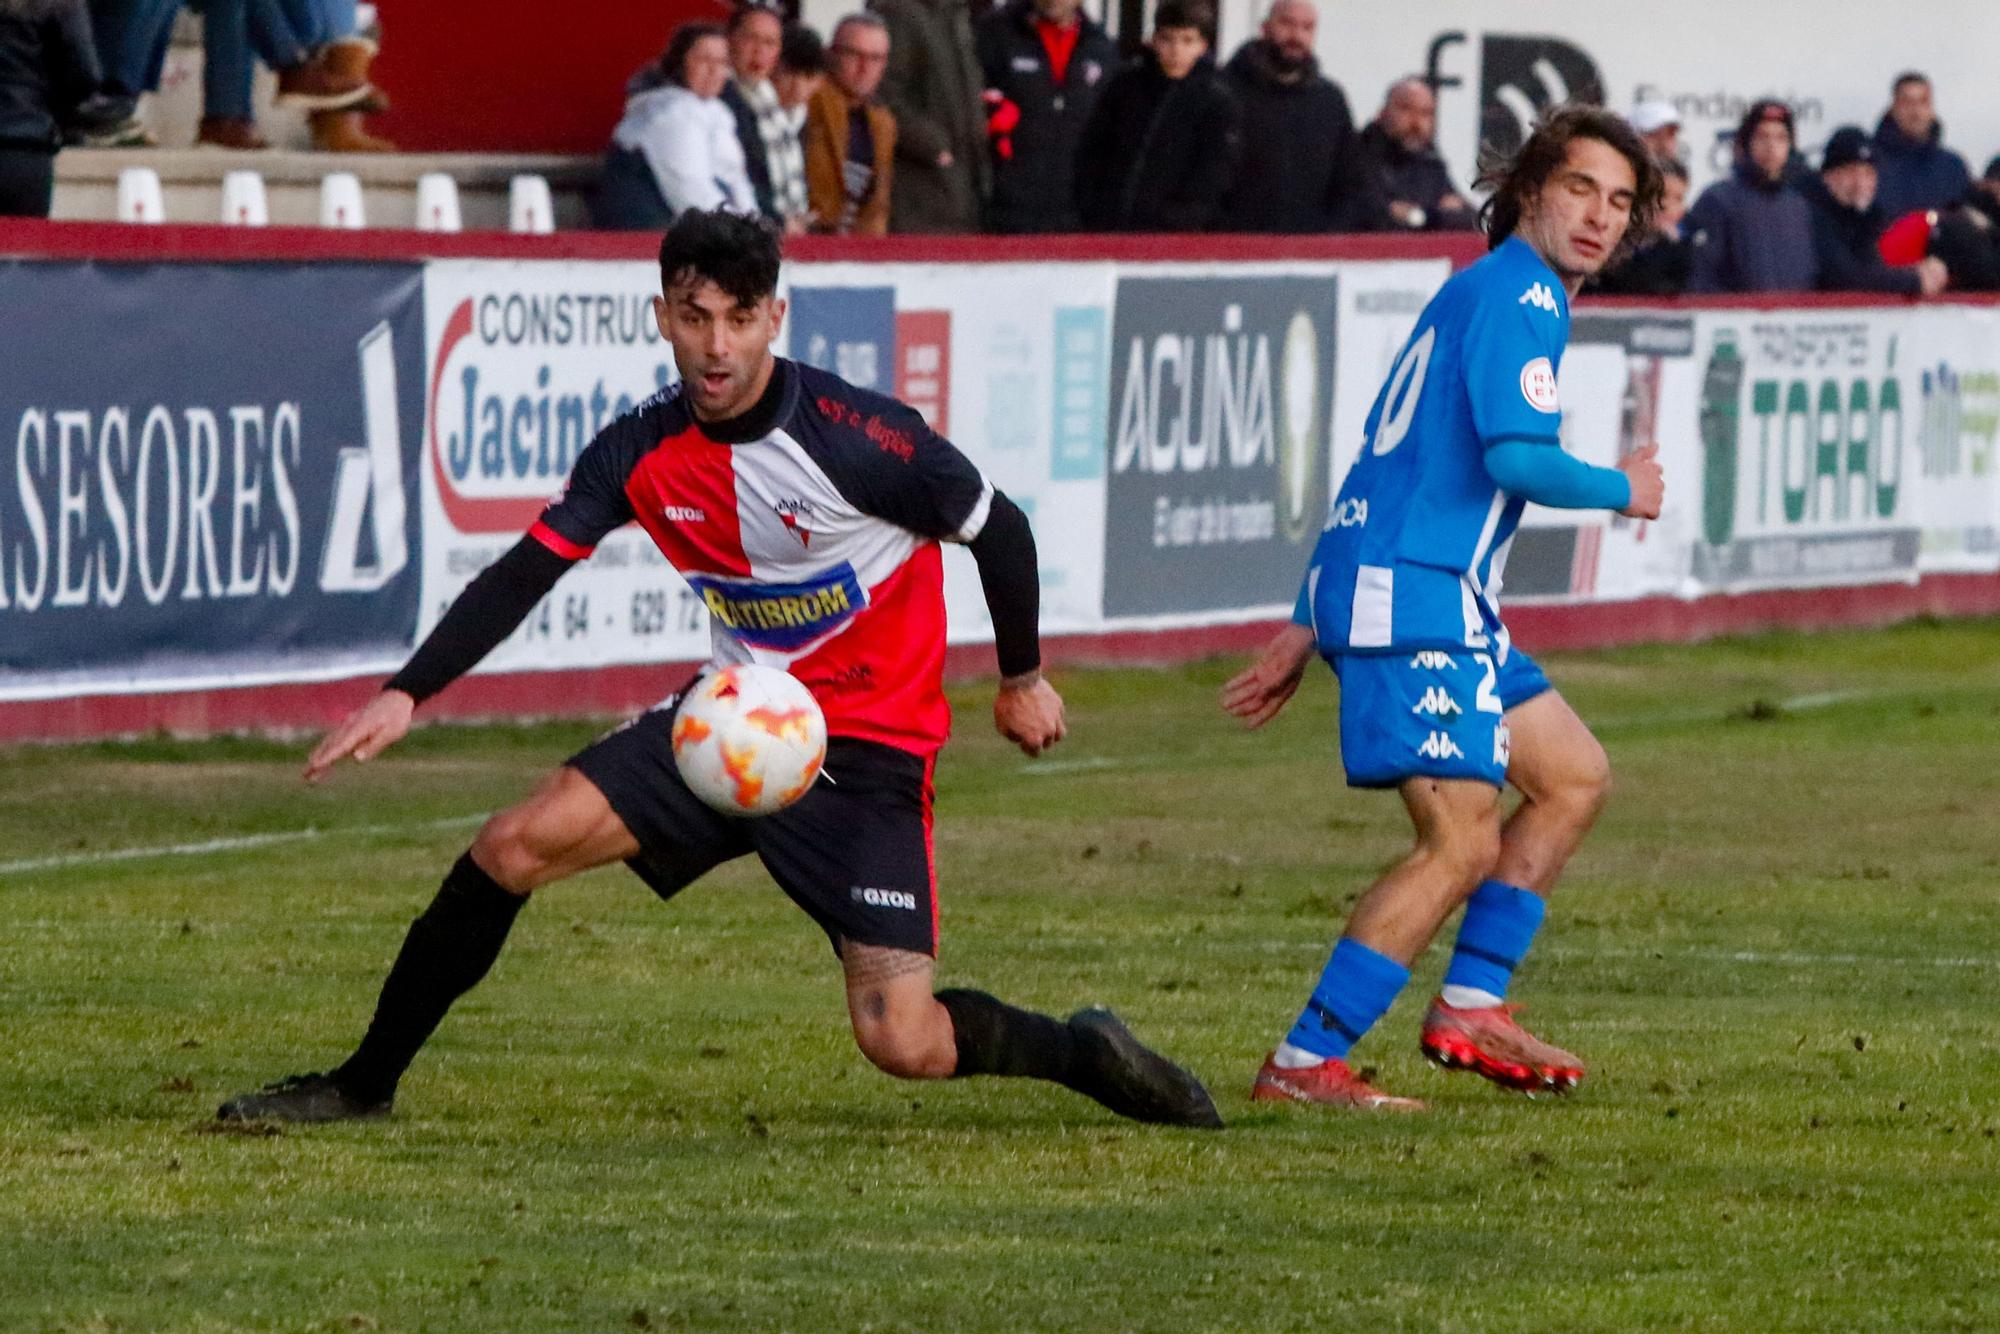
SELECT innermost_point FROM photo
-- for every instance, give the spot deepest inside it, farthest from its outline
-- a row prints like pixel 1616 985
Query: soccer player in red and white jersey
pixel 807 514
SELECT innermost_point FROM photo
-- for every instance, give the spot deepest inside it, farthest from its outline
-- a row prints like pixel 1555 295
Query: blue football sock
pixel 1356 989
pixel 1500 923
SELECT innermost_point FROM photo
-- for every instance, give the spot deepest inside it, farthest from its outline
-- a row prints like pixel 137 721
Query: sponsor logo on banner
pixel 1221 392
pixel 237 500
pixel 522 379
pixel 1081 356
pixel 1521 77
pixel 528 364
pixel 1956 436
pixel 1803 434
pixel 923 365
pixel 850 331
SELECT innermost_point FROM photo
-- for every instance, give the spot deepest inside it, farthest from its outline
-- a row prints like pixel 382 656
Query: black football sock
pixel 994 1038
pixel 448 949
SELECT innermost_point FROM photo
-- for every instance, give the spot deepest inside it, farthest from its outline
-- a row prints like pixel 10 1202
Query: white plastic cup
pixel 340 201
pixel 140 198
pixel 530 206
pixel 437 203
pixel 244 203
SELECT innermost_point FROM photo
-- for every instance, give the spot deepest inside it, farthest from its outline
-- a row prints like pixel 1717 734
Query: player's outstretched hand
pixel 1030 714
pixel 366 733
pixel 1256 693
pixel 1649 485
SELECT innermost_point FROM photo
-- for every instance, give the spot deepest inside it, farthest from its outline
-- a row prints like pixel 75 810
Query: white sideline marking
pixel 237 844
pixel 1082 764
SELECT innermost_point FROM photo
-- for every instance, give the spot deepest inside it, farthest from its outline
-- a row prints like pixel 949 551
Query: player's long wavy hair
pixel 1516 180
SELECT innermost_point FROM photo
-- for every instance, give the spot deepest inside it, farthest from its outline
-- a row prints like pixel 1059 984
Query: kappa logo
pixel 1437 703
pixel 797 516
pixel 1440 746
pixel 684 514
pixel 1431 660
pixel 1541 298
pixel 884 898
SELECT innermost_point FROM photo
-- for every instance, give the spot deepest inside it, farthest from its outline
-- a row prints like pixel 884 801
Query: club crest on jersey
pixel 783 617
pixel 1538 385
pixel 1541 298
pixel 797 516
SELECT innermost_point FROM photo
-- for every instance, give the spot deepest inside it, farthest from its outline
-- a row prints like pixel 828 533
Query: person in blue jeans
pixel 322 65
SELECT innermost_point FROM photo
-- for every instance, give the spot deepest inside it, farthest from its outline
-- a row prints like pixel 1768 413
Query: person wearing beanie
pixel 1754 231
pixel 1848 225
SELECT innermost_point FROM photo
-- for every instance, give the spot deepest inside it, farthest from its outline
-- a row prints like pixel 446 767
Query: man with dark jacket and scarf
pixel 1847 224
pixel 1917 170
pixel 1160 150
pixel 933 89
pixel 1400 148
pixel 1045 63
pixel 1301 170
pixel 1754 231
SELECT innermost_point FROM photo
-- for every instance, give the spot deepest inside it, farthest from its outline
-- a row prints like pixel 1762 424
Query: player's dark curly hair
pixel 738 254
pixel 1516 180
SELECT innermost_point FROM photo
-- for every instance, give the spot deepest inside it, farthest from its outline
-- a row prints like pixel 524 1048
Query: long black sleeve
pixel 1012 581
pixel 496 601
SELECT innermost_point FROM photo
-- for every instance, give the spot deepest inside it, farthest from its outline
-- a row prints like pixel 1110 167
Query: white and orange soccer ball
pixel 749 739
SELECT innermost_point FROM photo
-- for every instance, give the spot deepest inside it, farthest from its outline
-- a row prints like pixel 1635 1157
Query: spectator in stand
pixel 1847 225
pixel 1754 231
pixel 801 69
pixel 932 89
pixel 1301 169
pixel 1658 265
pixel 676 148
pixel 1161 146
pixel 1045 65
pixel 1659 127
pixel 772 155
pixel 285 33
pixel 320 74
pixel 50 83
pixel 1967 237
pixel 1918 172
pixel 1407 173
pixel 850 137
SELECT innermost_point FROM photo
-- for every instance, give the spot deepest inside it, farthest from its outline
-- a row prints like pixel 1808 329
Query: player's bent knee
pixel 502 849
pixel 1469 850
pixel 905 1051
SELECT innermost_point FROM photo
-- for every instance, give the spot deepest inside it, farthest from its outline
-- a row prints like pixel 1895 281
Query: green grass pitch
pixel 1777 953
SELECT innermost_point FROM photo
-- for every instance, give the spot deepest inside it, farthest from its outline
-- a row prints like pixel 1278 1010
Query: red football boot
pixel 1488 1042
pixel 1330 1083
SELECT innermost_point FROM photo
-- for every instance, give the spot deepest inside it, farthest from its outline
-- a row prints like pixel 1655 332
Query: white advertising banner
pixel 1102 435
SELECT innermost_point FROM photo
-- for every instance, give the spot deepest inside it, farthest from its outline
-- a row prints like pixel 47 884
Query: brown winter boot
pixel 317 85
pixel 238 132
pixel 349 57
pixel 342 132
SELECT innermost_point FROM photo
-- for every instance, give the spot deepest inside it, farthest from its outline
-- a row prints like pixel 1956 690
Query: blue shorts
pixel 1430 714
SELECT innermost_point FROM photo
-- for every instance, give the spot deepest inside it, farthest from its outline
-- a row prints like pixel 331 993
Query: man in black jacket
pixel 1847 224
pixel 49 81
pixel 1160 150
pixel 1400 149
pixel 1044 63
pixel 1301 170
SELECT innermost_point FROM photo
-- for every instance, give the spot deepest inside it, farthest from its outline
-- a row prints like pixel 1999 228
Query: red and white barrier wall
pixel 246 473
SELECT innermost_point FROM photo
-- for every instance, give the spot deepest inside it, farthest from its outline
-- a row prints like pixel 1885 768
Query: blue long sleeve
pixel 1548 475
pixel 1302 610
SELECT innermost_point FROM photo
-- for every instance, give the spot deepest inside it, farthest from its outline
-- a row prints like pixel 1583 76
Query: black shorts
pixel 854 852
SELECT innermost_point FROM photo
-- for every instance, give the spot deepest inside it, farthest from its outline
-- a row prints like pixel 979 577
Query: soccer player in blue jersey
pixel 1402 599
